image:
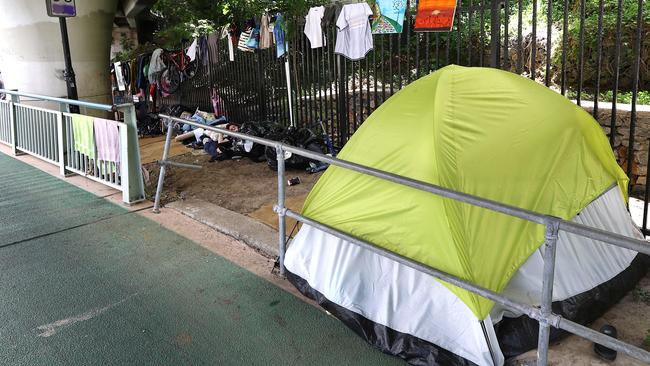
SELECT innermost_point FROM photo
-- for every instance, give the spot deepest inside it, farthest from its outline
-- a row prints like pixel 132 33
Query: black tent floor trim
pixel 413 350
pixel 515 335
pixel 519 335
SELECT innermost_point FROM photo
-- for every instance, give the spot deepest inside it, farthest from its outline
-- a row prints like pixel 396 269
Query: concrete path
pixel 85 282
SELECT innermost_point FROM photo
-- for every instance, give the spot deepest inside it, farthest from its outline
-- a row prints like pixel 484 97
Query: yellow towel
pixel 84 138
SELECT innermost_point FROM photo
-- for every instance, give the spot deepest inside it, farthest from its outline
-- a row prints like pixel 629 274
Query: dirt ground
pixel 151 149
pixel 237 185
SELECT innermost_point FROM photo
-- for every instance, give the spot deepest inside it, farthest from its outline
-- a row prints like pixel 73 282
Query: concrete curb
pixel 243 228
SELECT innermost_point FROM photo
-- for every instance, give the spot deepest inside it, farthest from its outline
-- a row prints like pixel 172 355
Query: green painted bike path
pixel 84 282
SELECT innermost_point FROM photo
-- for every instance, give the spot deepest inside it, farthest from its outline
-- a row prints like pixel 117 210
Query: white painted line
pixel 49 330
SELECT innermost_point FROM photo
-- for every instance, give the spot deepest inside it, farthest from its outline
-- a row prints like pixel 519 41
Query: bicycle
pixel 179 68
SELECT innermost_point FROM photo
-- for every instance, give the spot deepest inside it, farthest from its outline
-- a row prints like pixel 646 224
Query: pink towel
pixel 107 140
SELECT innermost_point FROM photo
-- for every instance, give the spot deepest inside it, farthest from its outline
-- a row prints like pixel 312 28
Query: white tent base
pixel 393 296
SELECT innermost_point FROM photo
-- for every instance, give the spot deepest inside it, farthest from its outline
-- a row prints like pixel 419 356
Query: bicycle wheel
pixel 170 80
pixel 191 69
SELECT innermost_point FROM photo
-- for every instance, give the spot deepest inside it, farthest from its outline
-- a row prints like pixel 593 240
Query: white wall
pixel 31 54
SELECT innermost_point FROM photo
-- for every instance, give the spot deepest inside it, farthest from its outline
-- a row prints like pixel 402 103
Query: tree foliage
pixel 185 19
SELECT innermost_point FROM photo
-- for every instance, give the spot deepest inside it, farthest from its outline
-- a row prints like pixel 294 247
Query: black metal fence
pixel 562 44
pixel 592 51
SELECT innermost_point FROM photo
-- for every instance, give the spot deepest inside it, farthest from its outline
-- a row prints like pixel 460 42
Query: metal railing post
pixel 550 244
pixel 61 137
pixel 13 123
pixel 132 182
pixel 163 167
pixel 281 210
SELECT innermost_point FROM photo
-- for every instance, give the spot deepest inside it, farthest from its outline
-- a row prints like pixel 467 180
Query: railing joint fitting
pixel 282 211
pixel 554 320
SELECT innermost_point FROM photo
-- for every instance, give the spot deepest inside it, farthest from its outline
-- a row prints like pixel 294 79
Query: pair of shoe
pixel 218 157
pixel 195 145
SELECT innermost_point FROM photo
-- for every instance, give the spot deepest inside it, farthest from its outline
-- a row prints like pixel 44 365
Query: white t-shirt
pixel 313 29
pixel 354 37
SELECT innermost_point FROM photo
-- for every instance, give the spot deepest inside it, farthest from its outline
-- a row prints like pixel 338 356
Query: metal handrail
pixel 71 115
pixel 80 103
pixel 553 225
pixel 637 245
pixel 54 144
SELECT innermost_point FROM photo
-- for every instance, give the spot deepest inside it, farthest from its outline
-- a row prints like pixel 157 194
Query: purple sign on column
pixel 61 8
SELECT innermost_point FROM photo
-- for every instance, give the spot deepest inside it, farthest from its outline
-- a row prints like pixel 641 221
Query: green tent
pixel 481 131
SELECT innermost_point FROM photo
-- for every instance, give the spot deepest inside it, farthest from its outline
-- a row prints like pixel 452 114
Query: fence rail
pixel 48 135
pixel 553 225
pixel 36 131
pixel 5 122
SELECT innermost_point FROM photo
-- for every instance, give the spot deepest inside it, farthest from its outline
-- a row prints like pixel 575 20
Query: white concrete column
pixel 31 55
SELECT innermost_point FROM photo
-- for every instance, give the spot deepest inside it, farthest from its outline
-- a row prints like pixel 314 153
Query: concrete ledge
pixel 243 228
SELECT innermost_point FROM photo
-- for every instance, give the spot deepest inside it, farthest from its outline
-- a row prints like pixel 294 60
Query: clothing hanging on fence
pixel 227 34
pixel 141 80
pixel 254 40
pixel 231 49
pixel 82 131
pixel 107 140
pixel 156 66
pixel 279 34
pixel 266 34
pixel 191 51
pixel 134 76
pixel 213 41
pixel 313 28
pixel 217 103
pixel 225 31
pixel 153 93
pixel 353 38
pixel 244 37
pixel 203 50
